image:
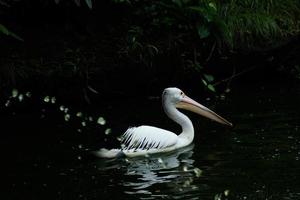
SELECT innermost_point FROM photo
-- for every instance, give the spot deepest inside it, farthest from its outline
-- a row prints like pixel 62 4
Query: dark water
pixel 45 157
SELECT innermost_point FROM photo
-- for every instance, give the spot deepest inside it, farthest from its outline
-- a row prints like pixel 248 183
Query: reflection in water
pixel 259 159
pixel 153 170
pixel 145 176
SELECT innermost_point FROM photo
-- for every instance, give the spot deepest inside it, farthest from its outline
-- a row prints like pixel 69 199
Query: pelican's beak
pixel 191 105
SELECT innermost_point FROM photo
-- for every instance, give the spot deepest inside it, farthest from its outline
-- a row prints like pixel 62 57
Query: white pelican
pixel 143 140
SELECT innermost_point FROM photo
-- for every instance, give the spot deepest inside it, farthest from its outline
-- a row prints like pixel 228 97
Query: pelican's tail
pixel 112 153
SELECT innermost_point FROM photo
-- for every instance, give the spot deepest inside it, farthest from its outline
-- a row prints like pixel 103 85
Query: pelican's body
pixel 145 140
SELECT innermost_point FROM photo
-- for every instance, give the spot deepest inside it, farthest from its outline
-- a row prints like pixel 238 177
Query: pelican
pixel 144 140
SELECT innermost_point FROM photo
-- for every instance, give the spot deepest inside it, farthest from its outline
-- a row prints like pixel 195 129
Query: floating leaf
pixel 7 103
pixel 14 93
pixel 101 121
pixel 53 100
pixel 218 197
pixel 21 97
pixel 47 99
pixel 107 131
pixel 79 114
pixel 28 94
pixel 226 193
pixel 61 108
pixel 227 90
pixel 67 117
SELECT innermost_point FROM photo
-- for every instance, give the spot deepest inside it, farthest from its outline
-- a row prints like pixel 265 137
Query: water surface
pixel 47 157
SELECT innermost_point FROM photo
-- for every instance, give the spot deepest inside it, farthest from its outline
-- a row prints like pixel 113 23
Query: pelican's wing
pixel 148 137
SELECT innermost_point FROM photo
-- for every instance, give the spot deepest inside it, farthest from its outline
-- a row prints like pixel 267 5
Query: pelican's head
pixel 175 97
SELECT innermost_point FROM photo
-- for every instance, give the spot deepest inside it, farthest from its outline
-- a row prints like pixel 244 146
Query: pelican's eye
pixel 181 93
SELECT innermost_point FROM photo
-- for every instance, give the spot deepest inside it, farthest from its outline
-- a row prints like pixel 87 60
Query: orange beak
pixel 191 105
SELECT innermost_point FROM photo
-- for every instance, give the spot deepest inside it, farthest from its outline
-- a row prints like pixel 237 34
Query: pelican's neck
pixel 182 120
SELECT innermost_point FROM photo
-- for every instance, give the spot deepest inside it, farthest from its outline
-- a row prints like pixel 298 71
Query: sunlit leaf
pixel 218 197
pixel 46 99
pixel 14 93
pixel 61 108
pixel 226 193
pixel 209 78
pixel 79 114
pixel 67 117
pixel 101 121
pixel 107 131
pixel 211 87
pixel 21 97
pixel 213 5
pixel 204 82
pixel 53 100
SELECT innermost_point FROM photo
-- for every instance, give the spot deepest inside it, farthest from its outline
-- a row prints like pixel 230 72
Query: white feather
pixel 148 137
pixel 144 140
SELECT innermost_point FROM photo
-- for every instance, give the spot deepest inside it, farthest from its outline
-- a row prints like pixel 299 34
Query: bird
pixel 146 140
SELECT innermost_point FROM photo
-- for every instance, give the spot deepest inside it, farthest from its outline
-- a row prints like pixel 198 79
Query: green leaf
pixel 213 5
pixel 204 82
pixel 211 87
pixel 203 31
pixel 209 78
pixel 89 3
pixel 4 30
